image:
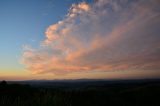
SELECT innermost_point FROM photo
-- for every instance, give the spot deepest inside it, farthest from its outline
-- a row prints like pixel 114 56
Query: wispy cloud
pixel 108 35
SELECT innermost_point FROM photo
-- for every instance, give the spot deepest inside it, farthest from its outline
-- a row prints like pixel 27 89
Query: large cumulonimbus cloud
pixel 107 35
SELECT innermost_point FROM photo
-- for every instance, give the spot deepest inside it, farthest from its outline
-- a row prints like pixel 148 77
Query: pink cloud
pixel 103 36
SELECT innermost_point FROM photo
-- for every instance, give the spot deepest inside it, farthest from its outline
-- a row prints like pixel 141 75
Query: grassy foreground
pixel 113 95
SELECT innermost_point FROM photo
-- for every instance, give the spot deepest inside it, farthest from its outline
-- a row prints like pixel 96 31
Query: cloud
pixel 106 35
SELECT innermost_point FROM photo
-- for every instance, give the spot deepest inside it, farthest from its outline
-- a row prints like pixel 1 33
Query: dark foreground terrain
pixel 80 93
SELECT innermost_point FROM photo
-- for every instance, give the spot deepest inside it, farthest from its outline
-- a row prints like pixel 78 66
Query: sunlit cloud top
pixel 107 35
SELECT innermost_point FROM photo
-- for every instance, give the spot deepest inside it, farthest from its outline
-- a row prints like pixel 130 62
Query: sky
pixel 76 39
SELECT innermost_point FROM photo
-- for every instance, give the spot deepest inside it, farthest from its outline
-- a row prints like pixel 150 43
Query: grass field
pixel 144 94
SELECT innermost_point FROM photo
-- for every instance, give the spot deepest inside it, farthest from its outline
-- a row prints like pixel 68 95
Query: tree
pixel 3 83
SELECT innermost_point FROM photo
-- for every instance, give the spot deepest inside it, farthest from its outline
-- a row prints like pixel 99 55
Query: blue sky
pixel 24 22
pixel 68 39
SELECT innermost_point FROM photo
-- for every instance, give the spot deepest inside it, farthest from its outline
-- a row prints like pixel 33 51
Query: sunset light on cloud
pixel 104 36
pixel 98 39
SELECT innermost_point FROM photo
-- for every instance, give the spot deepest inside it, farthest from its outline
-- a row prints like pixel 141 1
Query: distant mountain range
pixel 83 83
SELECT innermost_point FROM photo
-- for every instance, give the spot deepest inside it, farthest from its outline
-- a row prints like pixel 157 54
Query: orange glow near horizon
pixel 82 75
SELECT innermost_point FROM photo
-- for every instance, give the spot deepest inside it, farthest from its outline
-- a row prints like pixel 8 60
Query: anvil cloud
pixel 107 35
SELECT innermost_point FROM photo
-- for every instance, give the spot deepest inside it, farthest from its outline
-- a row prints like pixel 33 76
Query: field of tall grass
pixel 25 95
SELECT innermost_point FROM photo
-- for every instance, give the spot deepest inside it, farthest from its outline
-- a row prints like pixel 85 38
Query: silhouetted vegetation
pixel 144 94
pixel 3 83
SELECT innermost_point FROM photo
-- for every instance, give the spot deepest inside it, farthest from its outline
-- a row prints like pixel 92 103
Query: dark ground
pixel 81 93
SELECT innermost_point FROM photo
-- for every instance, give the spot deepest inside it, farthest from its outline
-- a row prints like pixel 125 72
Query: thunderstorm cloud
pixel 107 35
